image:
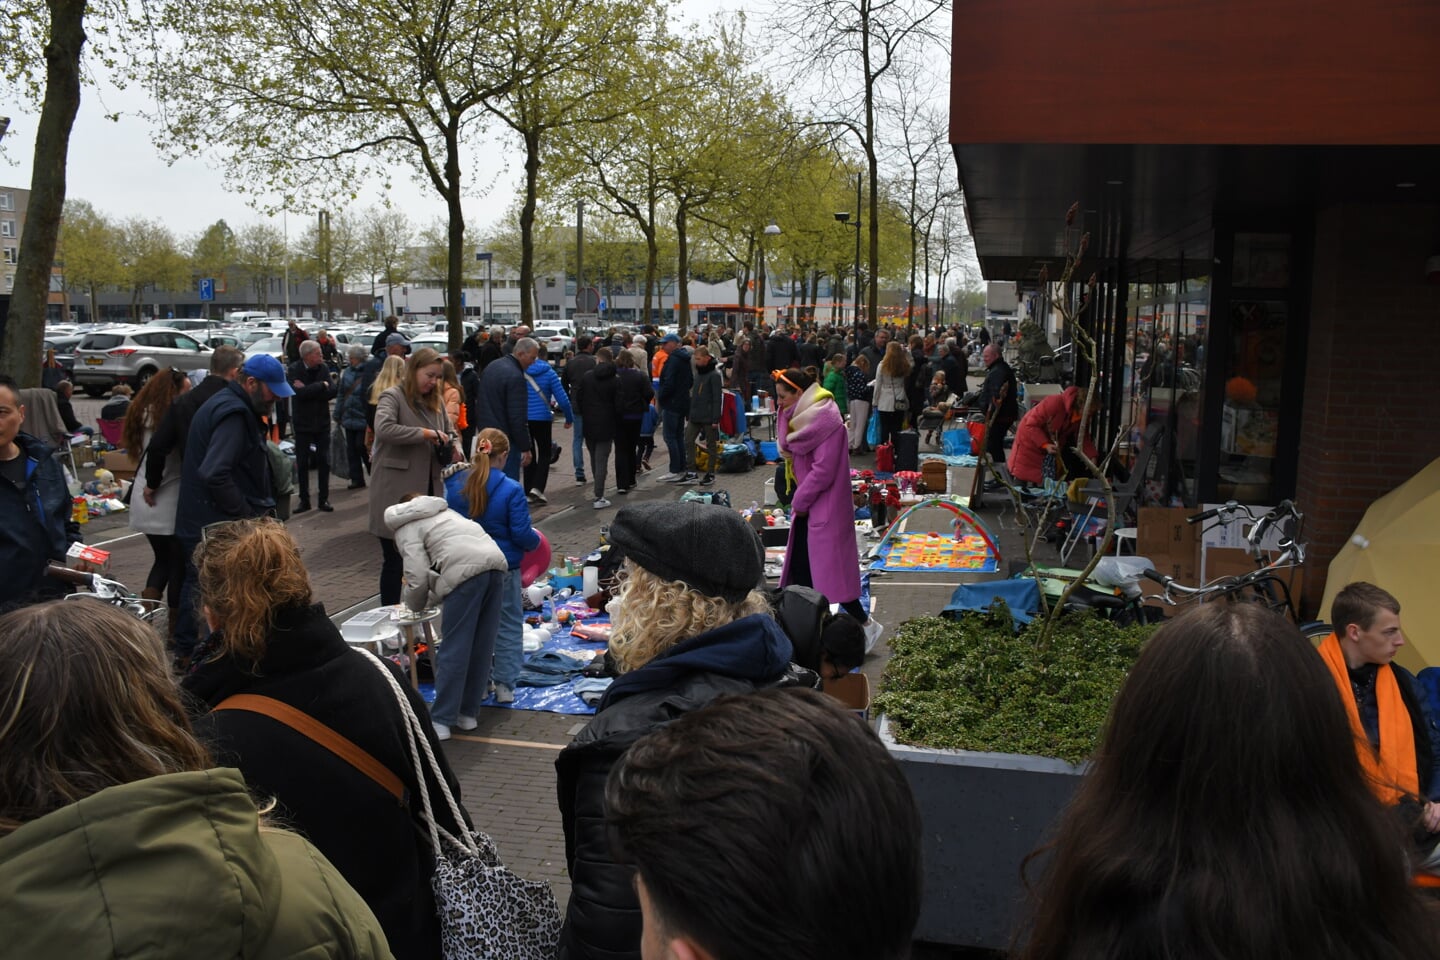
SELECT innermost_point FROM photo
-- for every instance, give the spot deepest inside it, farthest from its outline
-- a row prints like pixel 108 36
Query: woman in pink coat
pixel 1051 426
pixel 821 552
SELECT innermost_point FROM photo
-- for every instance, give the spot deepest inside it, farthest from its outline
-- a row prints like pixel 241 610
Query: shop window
pixel 1254 391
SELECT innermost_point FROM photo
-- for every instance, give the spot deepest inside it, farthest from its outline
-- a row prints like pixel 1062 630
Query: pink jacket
pixel 1050 421
pixel 820 449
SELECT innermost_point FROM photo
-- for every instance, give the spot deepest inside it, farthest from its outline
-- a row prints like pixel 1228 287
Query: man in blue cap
pixel 676 378
pixel 226 474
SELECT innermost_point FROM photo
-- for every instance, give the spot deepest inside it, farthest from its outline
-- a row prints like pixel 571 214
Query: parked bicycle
pixel 95 587
pixel 1265 584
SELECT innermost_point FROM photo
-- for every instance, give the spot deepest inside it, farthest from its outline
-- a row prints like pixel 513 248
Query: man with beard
pixel 226 474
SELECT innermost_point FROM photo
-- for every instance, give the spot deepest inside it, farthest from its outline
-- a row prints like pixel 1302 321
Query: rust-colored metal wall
pixel 1196 71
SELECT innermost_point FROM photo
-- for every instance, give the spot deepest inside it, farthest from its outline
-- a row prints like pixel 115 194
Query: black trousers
pixel 538 472
pixel 392 571
pixel 167 572
pixel 627 452
pixel 305 458
pixel 891 422
pixel 995 441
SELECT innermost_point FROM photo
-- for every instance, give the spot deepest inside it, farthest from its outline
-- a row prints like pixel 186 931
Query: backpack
pixel 735 458
pixel 719 498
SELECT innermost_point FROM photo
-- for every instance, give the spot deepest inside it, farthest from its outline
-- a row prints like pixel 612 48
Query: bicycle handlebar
pixel 1155 575
pixel 1202 517
pixel 77 578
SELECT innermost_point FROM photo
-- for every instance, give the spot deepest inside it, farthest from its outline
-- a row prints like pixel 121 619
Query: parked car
pixel 438 342
pixel 132 354
pixel 64 346
pixel 555 340
pixel 275 346
pixel 196 326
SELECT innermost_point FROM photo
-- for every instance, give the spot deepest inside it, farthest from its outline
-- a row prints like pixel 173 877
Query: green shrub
pixel 976 684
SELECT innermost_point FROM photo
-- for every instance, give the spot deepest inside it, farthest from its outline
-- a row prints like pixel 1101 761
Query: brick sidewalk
pixel 509 789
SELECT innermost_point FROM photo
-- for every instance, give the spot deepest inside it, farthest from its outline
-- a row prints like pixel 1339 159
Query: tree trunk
pixel 25 330
pixel 652 268
pixel 454 278
pixel 682 288
pixel 527 225
pixel 872 298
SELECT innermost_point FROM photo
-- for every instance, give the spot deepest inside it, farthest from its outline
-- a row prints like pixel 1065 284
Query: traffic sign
pixel 587 300
pixel 207 289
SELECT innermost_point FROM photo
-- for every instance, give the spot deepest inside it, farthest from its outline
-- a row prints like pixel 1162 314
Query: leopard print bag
pixel 487 912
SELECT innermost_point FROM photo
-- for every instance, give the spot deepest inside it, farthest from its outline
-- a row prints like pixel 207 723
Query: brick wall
pixel 1372 379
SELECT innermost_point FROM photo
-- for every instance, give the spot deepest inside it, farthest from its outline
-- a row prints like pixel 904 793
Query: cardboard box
pixel 853 691
pixel 120 463
pixel 932 472
pixel 1170 541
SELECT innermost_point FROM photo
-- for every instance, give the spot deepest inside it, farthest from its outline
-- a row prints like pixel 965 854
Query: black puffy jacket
pixel 37 527
pixel 603 916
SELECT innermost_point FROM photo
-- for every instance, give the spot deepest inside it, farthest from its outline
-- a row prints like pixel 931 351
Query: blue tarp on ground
pixel 1022 596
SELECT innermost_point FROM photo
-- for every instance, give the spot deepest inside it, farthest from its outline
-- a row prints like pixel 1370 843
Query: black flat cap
pixel 704 546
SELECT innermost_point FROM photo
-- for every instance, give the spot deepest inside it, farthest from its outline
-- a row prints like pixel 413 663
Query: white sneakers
pixel 601 503
pixel 463 722
pixel 669 477
pixel 535 496
pixel 442 732
pixel 504 694
pixel 873 628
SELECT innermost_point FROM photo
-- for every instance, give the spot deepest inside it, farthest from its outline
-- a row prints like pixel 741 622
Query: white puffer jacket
pixel 440 548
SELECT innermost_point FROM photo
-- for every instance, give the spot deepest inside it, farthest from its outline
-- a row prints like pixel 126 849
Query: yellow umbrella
pixel 1396 547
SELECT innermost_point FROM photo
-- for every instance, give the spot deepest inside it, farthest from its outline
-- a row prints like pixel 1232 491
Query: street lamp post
pixel 771 230
pixel 489 259
pixel 843 216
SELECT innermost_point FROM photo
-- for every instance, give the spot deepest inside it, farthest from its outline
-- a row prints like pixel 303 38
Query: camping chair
pixel 112 430
pixel 42 420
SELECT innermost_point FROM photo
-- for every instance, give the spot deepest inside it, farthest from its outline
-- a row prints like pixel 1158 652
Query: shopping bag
pixel 955 443
pixel 884 458
pixel 872 429
pixel 340 455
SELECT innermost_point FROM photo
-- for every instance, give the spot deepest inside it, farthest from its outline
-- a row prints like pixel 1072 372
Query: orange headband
pixel 780 375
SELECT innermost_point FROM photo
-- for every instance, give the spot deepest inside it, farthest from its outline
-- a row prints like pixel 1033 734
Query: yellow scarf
pixel 1391 771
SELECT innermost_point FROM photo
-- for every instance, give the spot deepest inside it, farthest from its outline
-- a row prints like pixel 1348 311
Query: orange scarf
pixel 1391 771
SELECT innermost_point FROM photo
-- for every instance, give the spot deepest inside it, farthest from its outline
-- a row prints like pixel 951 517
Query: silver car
pixel 132 355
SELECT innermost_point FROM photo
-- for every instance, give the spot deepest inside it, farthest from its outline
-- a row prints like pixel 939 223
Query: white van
pixel 245 318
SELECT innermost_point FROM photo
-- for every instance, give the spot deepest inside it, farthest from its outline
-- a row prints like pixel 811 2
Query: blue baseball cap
pixel 669 338
pixel 268 371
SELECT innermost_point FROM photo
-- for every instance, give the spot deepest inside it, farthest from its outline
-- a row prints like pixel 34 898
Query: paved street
pixel 506 765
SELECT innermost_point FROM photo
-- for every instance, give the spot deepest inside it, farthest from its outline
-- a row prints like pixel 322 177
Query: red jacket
pixel 1049 421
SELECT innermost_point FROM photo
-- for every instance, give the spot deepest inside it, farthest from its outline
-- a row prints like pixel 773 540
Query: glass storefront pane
pixel 1253 391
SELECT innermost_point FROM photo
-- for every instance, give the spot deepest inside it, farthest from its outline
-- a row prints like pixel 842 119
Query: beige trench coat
pixel 403 461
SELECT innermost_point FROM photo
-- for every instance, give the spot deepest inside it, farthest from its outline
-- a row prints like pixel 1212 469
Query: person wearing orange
pixel 1391 734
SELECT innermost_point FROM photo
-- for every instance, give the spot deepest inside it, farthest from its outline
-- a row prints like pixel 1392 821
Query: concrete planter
pixel 982 814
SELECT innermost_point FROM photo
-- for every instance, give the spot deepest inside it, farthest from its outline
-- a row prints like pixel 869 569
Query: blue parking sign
pixel 207 289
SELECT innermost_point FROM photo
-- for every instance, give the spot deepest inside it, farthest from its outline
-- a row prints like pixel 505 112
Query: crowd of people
pixel 1289 823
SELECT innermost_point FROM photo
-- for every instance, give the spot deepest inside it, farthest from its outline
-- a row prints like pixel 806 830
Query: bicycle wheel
pixel 1316 631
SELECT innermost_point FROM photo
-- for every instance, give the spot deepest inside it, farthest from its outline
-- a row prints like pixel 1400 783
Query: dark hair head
pixel 795 378
pixel 1226 814
pixel 1358 603
pixel 842 639
pixel 86 702
pixel 604 355
pixel 756 826
pixel 8 382
pixel 226 360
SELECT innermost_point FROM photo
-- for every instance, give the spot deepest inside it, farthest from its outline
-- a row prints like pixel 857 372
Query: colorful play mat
pixel 963 546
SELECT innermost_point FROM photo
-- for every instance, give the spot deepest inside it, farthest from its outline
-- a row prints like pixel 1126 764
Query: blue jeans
pixel 189 627
pixel 468 618
pixel 512 464
pixel 577 448
pixel 509 644
pixel 673 426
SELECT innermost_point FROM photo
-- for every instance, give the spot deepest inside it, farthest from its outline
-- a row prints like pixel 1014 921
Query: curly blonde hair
pixel 247 570
pixel 653 614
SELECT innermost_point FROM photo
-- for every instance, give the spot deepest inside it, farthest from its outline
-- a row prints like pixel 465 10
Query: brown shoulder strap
pixel 304 724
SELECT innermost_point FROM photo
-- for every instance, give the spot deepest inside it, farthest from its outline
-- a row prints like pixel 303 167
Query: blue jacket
pixel 551 391
pixel 504 402
pixel 37 528
pixel 227 468
pixel 506 517
pixel 676 378
pixel 350 399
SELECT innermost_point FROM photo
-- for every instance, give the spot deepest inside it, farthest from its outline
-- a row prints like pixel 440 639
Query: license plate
pixel 94 361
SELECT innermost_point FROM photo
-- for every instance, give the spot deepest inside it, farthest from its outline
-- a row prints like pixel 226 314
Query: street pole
pixel 858 182
pixel 489 288
pixel 579 255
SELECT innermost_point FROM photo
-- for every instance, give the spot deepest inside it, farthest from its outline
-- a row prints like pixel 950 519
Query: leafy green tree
pixel 43 44
pixel 152 261
pixel 300 105
pixel 385 255
pixel 213 254
pixel 88 250
pixel 585 47
pixel 260 257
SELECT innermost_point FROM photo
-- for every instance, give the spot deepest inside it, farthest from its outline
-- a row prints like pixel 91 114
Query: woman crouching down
pixel 118 836
pixel 271 639
pixel 688 626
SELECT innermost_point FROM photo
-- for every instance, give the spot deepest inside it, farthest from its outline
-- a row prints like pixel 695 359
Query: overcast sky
pixel 114 165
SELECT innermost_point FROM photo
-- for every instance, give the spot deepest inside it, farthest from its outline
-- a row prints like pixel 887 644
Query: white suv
pixel 132 355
